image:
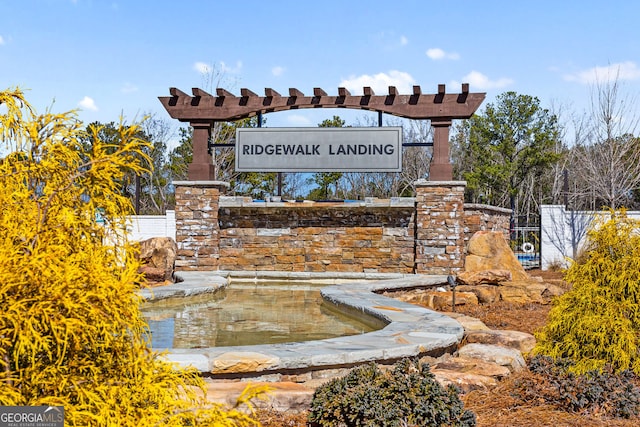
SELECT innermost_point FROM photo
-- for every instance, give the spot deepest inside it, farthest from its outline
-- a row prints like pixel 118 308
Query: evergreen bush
pixel 597 323
pixel 595 392
pixel 71 332
pixel 406 395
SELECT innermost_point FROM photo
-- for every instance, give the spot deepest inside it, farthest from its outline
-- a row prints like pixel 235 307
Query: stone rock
pixel 243 361
pixel 473 366
pixel 159 253
pixel 466 382
pixel 486 294
pixel 520 341
pixel 152 274
pixel 503 356
pixel 284 396
pixel 524 291
pixel 444 300
pixel 469 323
pixel 488 250
pixel 484 277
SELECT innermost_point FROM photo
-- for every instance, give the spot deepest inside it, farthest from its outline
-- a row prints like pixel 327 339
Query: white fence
pixel 563 233
pixel 142 227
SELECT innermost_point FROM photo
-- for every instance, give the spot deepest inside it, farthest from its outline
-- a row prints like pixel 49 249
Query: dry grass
pixel 498 407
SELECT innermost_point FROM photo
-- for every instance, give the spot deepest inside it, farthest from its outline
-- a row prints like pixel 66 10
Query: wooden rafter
pixel 225 106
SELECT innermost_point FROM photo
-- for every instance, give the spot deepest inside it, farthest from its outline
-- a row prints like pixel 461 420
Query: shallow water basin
pixel 251 313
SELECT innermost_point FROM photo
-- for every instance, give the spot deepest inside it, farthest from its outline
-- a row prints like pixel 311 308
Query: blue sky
pixel 112 58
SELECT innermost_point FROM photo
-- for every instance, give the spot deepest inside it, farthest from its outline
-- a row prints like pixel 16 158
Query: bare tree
pixel 156 186
pixel 609 160
pixel 415 163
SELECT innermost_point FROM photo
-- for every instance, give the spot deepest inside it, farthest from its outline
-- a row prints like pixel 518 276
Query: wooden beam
pixel 293 92
pixel 227 107
pixel 177 92
pixel 270 93
pixel 367 91
pixel 441 89
pixel 247 93
pixel 199 92
pixel 465 87
pixel 224 93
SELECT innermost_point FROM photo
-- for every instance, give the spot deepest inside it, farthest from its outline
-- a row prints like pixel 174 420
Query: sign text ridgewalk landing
pixel 319 149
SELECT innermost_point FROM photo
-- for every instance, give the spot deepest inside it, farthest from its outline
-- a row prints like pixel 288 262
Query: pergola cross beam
pixel 202 110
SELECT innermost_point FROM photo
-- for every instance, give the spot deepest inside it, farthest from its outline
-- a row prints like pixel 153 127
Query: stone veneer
pixel 197 228
pixel 426 234
pixel 317 237
pixel 480 217
pixel 440 246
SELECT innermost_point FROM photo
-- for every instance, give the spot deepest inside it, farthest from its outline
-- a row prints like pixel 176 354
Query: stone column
pixel 440 245
pixel 197 227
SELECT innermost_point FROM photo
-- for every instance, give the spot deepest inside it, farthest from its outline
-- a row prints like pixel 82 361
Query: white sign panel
pixel 319 149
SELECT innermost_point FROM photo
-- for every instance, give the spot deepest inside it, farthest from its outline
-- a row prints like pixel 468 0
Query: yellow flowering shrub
pixel 71 333
pixel 597 323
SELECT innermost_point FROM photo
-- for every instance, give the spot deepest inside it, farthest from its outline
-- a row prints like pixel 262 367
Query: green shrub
pixel 406 395
pixel 596 392
pixel 71 331
pixel 597 323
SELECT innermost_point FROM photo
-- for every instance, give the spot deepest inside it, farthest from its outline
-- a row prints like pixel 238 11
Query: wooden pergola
pixel 201 110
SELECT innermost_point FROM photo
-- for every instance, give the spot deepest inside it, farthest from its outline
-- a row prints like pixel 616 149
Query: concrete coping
pixel 410 331
pixel 484 207
pixel 428 183
pixel 220 184
pixel 237 201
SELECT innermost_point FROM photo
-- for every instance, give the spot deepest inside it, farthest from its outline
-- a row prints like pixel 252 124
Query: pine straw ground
pixel 497 407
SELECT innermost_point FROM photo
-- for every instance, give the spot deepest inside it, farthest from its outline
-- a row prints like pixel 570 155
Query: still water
pixel 248 314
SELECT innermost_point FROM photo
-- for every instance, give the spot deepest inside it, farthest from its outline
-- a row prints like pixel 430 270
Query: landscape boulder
pixel 489 251
pixel 158 257
pixel 504 356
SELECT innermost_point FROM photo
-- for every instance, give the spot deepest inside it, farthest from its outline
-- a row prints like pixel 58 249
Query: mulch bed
pixel 498 406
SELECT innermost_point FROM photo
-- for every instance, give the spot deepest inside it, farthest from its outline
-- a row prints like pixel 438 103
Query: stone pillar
pixel 197 227
pixel 440 224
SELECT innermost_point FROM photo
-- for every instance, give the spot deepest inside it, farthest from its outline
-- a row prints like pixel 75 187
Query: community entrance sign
pixel 319 149
pixel 201 110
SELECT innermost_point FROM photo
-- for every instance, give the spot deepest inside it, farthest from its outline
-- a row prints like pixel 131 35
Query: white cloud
pixel 202 67
pixel 224 68
pixel 404 41
pixel 621 71
pixel 437 54
pixel 380 82
pixel 88 104
pixel 298 120
pixel 128 88
pixel 477 80
pixel 277 71
pixel 1 41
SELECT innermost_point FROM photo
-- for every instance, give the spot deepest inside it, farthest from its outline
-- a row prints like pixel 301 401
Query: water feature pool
pixel 249 314
pixel 410 330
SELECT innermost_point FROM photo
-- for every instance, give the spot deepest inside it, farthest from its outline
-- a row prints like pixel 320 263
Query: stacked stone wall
pixel 426 234
pixel 197 229
pixel 479 217
pixel 440 245
pixel 317 238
